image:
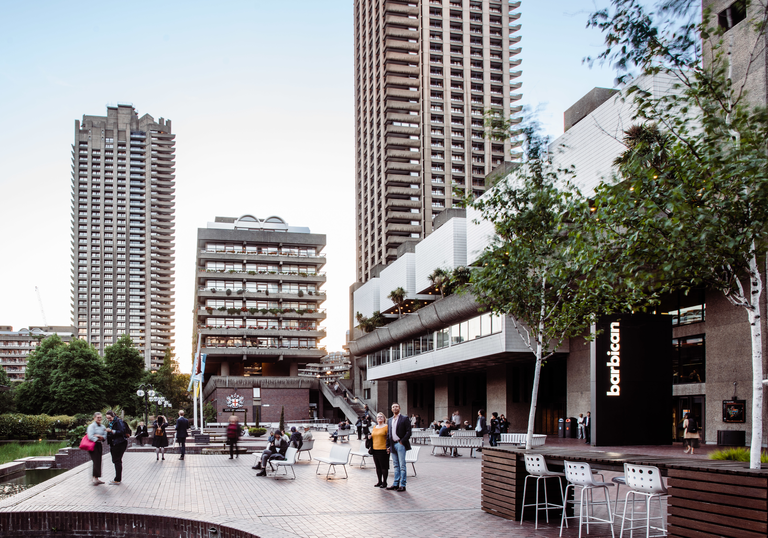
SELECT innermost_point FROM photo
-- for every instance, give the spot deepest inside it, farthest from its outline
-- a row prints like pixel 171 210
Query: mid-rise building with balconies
pixel 15 346
pixel 123 231
pixel 258 301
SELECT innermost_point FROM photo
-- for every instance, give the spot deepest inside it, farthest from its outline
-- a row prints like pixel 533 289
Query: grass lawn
pixel 14 451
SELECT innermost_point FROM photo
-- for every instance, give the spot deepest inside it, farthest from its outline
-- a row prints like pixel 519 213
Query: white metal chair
pixel 338 456
pixel 537 469
pixel 411 456
pixel 290 459
pixel 306 447
pixel 579 474
pixel 646 481
pixel 362 452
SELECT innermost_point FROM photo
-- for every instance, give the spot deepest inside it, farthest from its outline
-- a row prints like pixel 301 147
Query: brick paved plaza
pixel 443 500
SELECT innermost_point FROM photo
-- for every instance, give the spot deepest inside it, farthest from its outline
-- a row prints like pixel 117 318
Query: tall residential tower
pixel 123 230
pixel 426 72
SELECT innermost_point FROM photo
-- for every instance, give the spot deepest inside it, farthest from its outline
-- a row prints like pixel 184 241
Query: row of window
pixel 260 268
pixel 261 342
pixel 268 287
pixel 260 305
pixel 261 249
pixel 478 327
pixel 271 324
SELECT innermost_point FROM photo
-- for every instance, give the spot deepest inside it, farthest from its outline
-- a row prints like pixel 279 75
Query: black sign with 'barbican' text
pixel 632 380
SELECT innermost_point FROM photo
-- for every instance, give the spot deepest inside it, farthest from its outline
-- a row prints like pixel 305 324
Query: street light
pixel 148 395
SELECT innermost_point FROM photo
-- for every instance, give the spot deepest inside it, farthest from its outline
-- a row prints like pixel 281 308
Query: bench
pixel 519 439
pixel 306 447
pixel 472 443
pixel 341 434
pixel 464 433
pixel 338 456
pixel 421 436
pixel 362 453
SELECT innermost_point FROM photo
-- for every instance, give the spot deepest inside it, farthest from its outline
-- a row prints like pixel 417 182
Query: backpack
pixel 692 426
pixel 158 432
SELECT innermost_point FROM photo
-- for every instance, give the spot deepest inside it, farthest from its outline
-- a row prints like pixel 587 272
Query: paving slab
pixel 443 500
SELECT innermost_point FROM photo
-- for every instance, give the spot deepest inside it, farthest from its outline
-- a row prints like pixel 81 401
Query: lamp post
pixel 147 394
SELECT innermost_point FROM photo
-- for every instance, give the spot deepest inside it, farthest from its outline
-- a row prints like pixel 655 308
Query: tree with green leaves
pixel 124 368
pixel 77 383
pixel 171 383
pixel 689 204
pixel 528 273
pixel 397 296
pixel 34 396
pixel 7 404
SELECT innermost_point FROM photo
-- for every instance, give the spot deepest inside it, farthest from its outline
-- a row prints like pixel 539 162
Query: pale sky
pixel 261 97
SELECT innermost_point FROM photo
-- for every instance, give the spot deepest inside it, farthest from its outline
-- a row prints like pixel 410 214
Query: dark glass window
pixel 688 360
pixel 684 308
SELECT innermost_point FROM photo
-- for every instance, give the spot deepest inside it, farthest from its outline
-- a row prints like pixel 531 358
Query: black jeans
pixel 493 439
pixel 183 445
pixel 381 459
pixel 96 459
pixel 232 448
pixel 117 459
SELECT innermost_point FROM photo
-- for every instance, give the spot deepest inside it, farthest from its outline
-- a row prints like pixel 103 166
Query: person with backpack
pixel 691 435
pixel 117 433
pixel 160 440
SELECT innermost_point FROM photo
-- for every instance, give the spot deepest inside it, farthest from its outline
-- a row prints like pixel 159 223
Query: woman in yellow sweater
pixel 380 454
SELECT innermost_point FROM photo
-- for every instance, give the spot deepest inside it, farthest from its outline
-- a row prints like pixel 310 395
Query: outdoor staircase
pixel 352 409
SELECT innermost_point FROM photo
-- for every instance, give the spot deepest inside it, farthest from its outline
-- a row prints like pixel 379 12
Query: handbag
pixel 87 444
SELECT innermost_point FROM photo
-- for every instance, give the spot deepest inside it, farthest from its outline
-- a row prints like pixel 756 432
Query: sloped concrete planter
pixel 441 313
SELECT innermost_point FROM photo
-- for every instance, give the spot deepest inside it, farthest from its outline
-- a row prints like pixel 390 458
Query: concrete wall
pixel 579 396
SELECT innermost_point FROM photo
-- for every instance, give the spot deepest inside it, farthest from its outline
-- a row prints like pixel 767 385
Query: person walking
pixel 481 427
pixel 580 421
pixel 495 431
pixel 118 443
pixel 233 435
pixel 182 428
pixel 97 433
pixel 359 426
pixel 141 433
pixel 379 445
pixel 691 435
pixel 366 426
pixel 160 440
pixel 456 417
pixel 398 437
pixel 504 423
pixel 588 428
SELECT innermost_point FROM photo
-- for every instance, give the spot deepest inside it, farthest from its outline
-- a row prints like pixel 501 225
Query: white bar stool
pixel 537 469
pixel 644 480
pixel 580 474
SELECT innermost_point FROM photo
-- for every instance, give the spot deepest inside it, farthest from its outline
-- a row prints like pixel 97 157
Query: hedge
pixel 18 426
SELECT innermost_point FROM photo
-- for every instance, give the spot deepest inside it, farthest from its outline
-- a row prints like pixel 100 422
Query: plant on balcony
pixel 301 293
pixel 300 312
pixel 397 296
pixel 369 324
pixel 253 310
pixel 213 290
pixel 232 311
pixel 274 311
pixel 240 292
pixel 310 311
pixel 264 310
pixel 251 272
pixel 209 309
pixel 229 292
pixel 309 292
pixel 244 309
pixel 222 309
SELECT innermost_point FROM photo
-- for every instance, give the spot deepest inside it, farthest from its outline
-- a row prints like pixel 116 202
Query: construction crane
pixel 40 302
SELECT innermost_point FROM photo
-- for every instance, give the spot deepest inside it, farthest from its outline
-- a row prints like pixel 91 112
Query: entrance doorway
pixel 687 404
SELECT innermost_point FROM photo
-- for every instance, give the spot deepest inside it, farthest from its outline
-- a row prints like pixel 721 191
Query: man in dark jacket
pixel 182 427
pixel 118 443
pixel 296 439
pixel 276 450
pixel 398 443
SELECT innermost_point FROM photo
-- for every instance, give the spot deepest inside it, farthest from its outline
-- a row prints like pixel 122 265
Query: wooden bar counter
pixel 707 498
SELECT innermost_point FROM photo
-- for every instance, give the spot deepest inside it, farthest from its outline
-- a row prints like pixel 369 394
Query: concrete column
pixel 496 390
pixel 294 372
pixel 402 397
pixel 441 396
pixel 579 397
pixel 224 368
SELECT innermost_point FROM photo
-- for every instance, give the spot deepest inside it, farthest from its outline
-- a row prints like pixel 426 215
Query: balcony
pixel 309 353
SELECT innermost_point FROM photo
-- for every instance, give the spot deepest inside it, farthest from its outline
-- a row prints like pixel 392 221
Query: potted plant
pixel 229 292
pixel 209 309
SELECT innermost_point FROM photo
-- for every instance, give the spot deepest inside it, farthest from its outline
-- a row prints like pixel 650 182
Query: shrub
pixel 736 454
pixel 256 432
pixel 75 435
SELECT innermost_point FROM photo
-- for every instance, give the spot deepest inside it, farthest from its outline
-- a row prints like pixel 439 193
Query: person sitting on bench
pixel 275 451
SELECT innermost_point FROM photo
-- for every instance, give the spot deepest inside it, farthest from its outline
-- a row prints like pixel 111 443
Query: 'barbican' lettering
pixel 615 362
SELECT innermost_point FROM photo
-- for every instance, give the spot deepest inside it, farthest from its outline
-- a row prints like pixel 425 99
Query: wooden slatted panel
pixel 717 505
pixel 500 471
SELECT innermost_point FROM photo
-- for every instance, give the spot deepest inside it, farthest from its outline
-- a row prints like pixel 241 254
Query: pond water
pixel 31 477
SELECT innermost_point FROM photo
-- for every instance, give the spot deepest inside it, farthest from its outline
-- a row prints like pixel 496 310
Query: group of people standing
pixel 115 432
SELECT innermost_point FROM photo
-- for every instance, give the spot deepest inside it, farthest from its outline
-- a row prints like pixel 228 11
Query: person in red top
pixel 233 435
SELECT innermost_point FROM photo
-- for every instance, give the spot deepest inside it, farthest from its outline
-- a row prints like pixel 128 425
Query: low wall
pixel 105 524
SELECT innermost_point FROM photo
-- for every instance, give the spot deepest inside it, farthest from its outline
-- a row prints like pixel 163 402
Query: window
pixel 688 360
pixel 684 308
pixel 733 15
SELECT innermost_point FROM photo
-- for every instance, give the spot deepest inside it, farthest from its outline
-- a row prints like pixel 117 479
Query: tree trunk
pixel 755 321
pixel 537 371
